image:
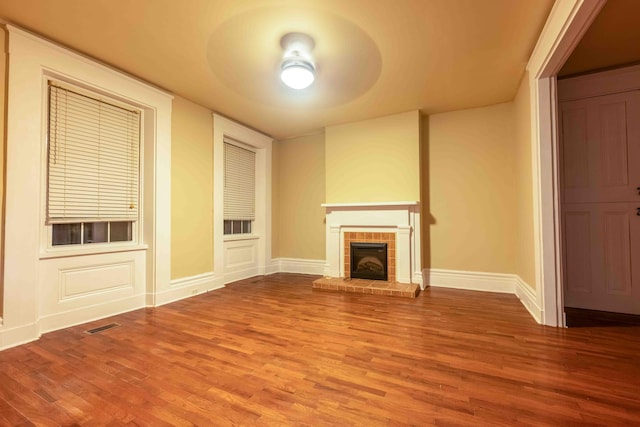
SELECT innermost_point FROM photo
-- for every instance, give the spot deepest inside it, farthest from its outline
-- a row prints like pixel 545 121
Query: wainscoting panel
pixel 240 259
pixel 240 254
pixel 79 289
pixel 84 281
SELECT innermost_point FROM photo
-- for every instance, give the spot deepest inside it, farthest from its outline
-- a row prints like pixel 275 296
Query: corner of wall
pixel 528 298
pixel 485 282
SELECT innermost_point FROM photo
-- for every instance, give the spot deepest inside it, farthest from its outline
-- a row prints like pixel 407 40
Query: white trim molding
pixel 89 313
pixel 186 287
pixel 273 267
pixel 236 259
pixel 401 218
pixel 527 297
pixel 486 282
pixel 18 335
pixel 565 26
pixel 298 265
pixel 369 204
pixel 471 280
pixel 244 273
pixel 32 287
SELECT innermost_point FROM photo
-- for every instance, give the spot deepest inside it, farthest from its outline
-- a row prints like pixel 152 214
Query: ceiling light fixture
pixel 297 69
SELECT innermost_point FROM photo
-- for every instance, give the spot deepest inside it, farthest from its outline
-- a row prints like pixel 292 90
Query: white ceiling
pixel 374 57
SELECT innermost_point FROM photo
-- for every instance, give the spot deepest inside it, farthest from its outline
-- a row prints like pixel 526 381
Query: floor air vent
pixel 102 328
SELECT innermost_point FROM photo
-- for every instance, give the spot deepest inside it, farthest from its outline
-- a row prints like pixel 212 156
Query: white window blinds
pixel 239 183
pixel 93 172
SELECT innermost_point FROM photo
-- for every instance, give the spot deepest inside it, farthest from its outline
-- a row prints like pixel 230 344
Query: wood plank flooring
pixel 272 351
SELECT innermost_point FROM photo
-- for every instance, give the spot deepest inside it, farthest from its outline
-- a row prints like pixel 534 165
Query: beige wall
pixel 374 160
pixel 191 189
pixel 300 186
pixel 471 220
pixel 525 246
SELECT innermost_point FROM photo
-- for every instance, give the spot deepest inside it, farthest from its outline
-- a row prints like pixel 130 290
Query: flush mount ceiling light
pixel 297 69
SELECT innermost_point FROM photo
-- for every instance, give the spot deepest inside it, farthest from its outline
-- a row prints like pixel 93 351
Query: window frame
pixel 47 249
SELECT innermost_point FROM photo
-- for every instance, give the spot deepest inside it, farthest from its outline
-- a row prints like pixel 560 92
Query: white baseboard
pixel 13 337
pixel 417 279
pixel 273 267
pixel 85 314
pixel 186 287
pixel 315 267
pixel 486 282
pixel 528 298
pixel 300 266
pixel 189 286
pixel 241 274
pixel 471 280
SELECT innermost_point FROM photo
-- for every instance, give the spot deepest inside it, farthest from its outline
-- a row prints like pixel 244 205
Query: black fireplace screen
pixel 369 261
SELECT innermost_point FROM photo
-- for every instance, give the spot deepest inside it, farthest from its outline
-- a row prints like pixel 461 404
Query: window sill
pixel 235 237
pixel 90 250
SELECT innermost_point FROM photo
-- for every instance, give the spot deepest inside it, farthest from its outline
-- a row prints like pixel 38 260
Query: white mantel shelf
pixel 369 204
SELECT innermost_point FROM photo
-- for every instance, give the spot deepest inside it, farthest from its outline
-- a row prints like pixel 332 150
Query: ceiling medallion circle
pixel 246 54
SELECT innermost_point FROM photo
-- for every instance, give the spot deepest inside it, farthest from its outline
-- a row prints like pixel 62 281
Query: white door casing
pixel 565 26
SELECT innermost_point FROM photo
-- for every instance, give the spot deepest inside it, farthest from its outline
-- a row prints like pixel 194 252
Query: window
pixel 93 168
pixel 82 233
pixel 234 226
pixel 239 188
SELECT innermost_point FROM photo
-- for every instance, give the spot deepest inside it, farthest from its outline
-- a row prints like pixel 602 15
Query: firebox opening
pixel 369 261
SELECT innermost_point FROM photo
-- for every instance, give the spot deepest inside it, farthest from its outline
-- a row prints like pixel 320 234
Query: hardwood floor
pixel 272 351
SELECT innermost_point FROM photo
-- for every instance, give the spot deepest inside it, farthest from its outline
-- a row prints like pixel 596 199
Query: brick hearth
pixel 375 287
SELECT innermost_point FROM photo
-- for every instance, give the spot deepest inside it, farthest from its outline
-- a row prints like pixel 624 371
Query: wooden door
pixel 600 176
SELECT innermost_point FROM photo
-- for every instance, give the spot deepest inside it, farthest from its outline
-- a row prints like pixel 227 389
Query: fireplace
pixel 395 223
pixel 368 260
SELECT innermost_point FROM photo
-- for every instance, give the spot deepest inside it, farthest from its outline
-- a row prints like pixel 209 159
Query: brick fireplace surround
pixel 371 237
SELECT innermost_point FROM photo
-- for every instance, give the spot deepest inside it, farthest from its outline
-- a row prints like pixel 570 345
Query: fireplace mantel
pixel 399 217
pixel 368 204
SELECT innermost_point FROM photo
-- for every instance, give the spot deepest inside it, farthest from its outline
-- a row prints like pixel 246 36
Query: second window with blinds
pixel 239 188
pixel 93 168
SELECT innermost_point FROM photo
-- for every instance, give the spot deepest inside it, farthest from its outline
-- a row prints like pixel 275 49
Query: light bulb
pixel 297 74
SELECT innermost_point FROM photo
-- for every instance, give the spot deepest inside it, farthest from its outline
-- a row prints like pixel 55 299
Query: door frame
pixel 567 23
